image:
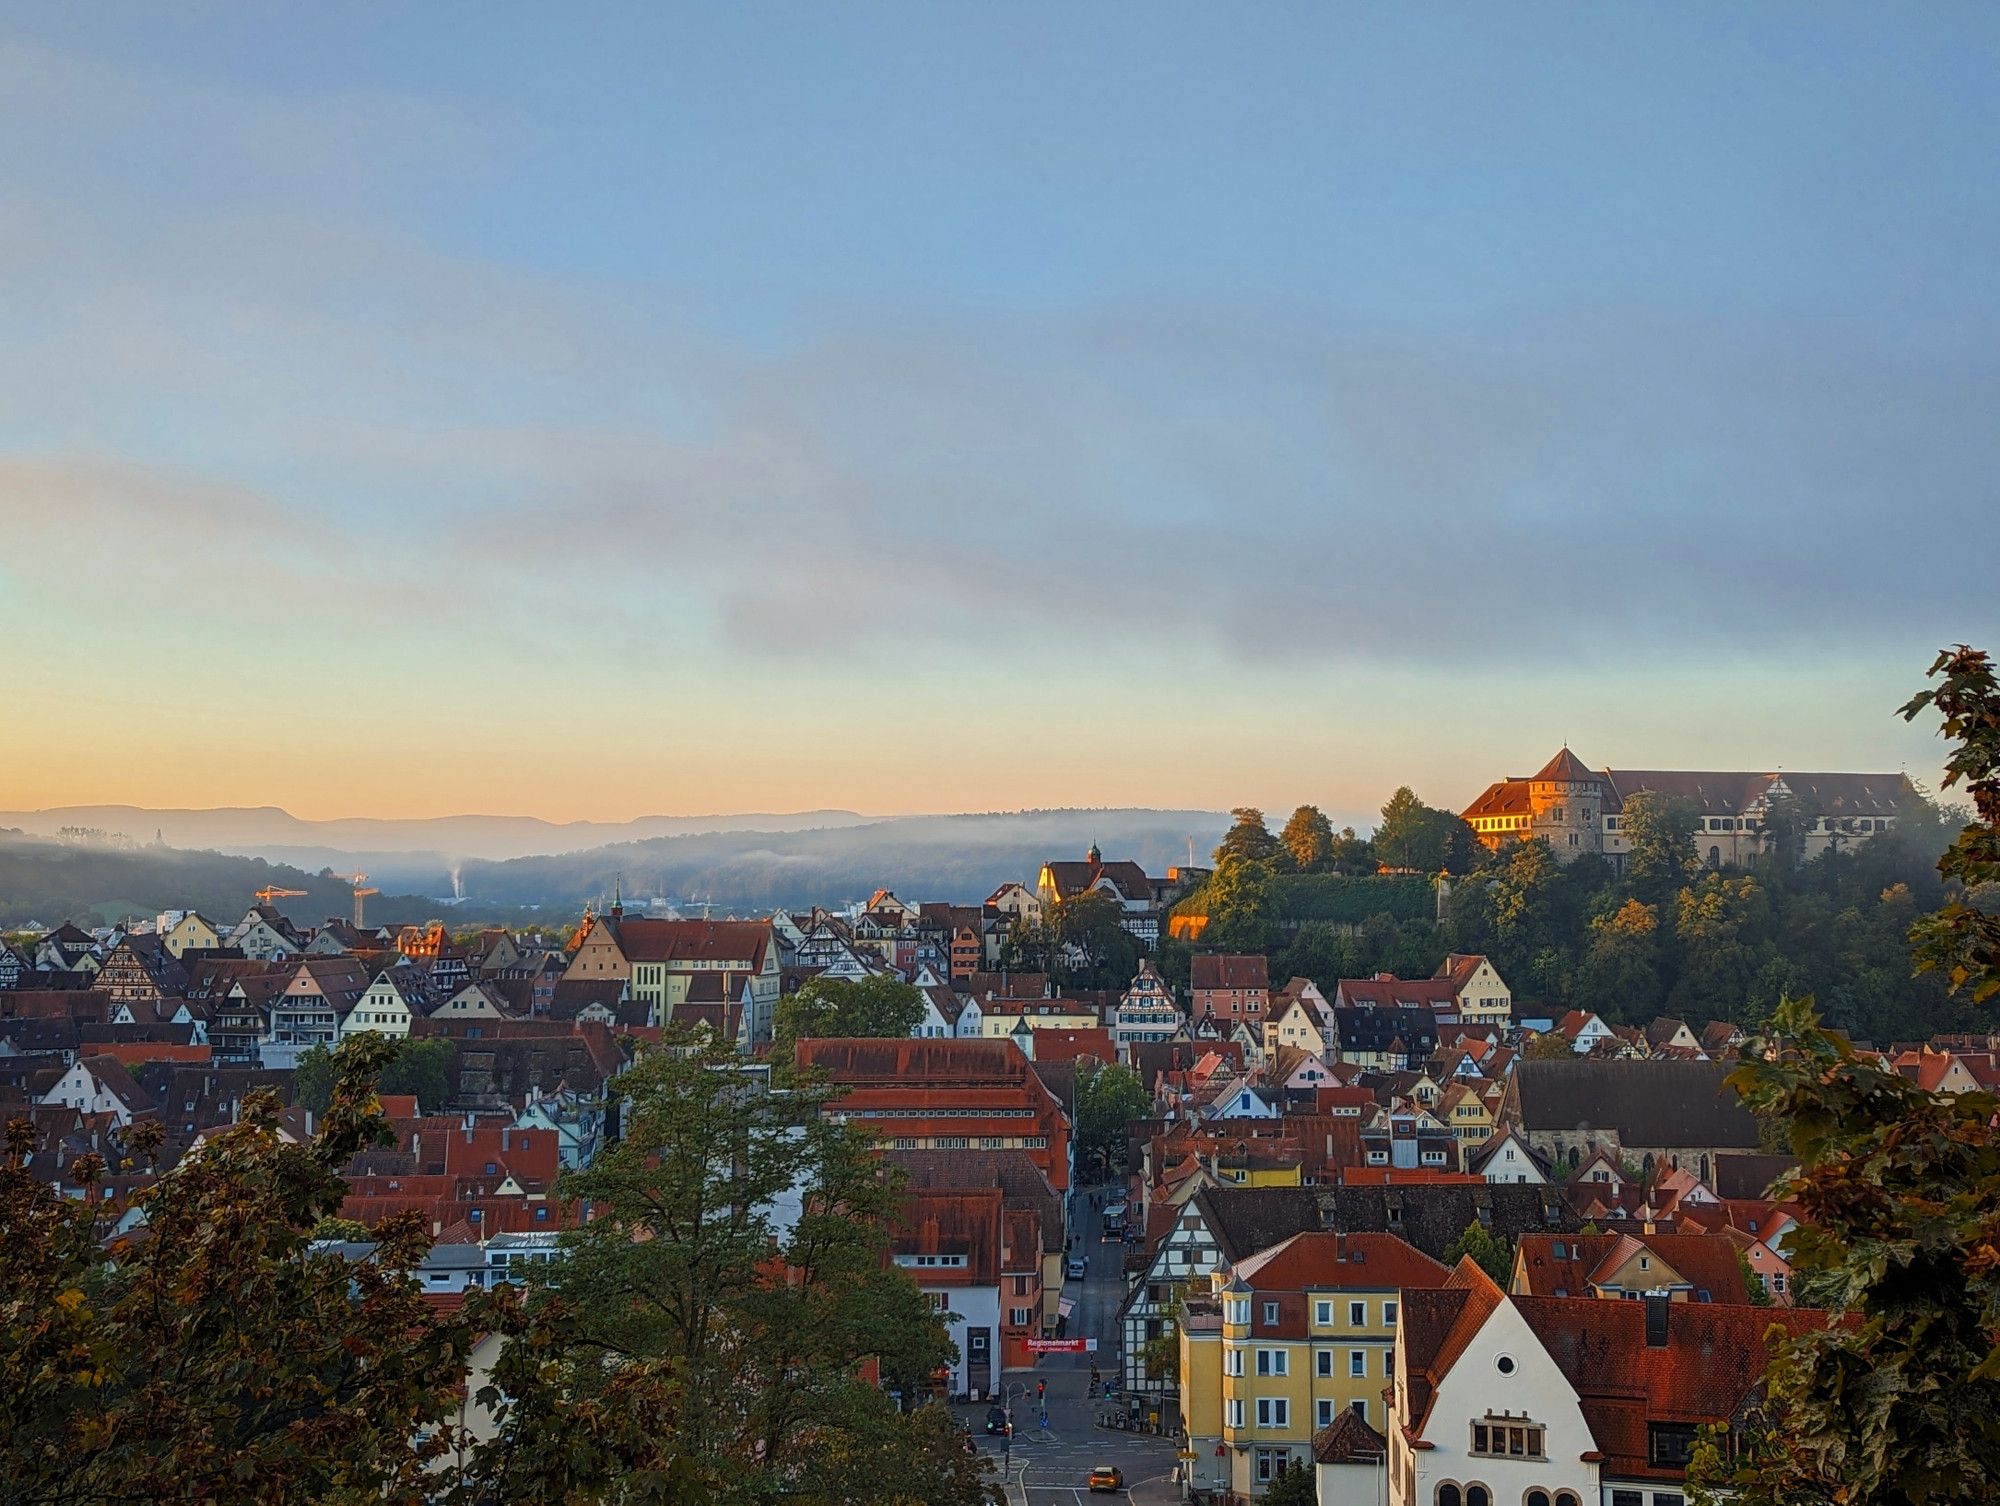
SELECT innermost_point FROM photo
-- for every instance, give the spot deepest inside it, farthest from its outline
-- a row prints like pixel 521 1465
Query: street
pixel 1048 1466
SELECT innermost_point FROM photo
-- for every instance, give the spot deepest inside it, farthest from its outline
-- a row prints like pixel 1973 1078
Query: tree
pixel 1308 837
pixel 421 1068
pixel 1897 1399
pixel 743 1341
pixel 1108 1099
pixel 1491 1253
pixel 1296 1486
pixel 1248 841
pixel 1620 974
pixel 1753 1281
pixel 1547 1046
pixel 1403 838
pixel 1962 941
pixel 1659 829
pixel 1242 912
pixel 841 1007
pixel 1351 854
pixel 214 1359
pixel 312 1079
pixel 1094 950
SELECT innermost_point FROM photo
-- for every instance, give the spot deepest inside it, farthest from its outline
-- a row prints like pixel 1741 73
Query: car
pixel 996 1420
pixel 1107 1477
pixel 1078 1268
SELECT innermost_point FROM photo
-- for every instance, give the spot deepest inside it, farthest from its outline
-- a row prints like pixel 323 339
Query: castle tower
pixel 1566 806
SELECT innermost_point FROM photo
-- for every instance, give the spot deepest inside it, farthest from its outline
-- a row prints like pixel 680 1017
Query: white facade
pixel 1503 1379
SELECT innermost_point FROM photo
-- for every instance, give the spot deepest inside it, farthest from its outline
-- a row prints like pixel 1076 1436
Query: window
pixel 1273 1362
pixel 1232 1362
pixel 1507 1440
pixel 1669 1445
pixel 1389 1363
pixel 1323 1314
pixel 1357 1314
pixel 1236 1414
pixel 1535 1498
pixel 1388 1315
pixel 1323 1412
pixel 1357 1362
pixel 1504 1364
pixel 1018 1316
pixel 1627 1498
pixel 1270 1312
pixel 1668 1498
pixel 1274 1412
pixel 1359 1409
pixel 1478 1495
pixel 1448 1495
pixel 1323 1361
pixel 1566 1498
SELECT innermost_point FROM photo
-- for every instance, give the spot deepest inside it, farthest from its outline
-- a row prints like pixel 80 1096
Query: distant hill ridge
pixel 960 858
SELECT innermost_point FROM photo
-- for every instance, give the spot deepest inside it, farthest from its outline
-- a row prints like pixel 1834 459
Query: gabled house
pixel 1506 1157
pixel 193 932
pixel 100 1085
pixel 264 935
pixel 1228 987
pixel 1502 1399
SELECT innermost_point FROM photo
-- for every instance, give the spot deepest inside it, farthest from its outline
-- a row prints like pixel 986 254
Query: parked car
pixel 996 1420
pixel 1107 1477
pixel 1078 1268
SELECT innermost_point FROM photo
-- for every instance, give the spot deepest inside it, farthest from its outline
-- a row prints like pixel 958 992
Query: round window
pixel 1504 1364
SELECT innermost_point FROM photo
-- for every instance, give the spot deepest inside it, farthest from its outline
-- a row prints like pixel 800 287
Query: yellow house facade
pixel 1286 1340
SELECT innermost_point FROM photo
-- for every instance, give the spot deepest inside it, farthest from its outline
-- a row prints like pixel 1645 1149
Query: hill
pixel 50 882
pixel 956 858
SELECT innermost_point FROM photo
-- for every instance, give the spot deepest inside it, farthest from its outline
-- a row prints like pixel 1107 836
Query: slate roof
pixel 1427 1215
pixel 1227 970
pixel 1649 1103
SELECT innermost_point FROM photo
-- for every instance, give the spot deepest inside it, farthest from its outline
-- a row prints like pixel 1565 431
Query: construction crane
pixel 361 893
pixel 272 891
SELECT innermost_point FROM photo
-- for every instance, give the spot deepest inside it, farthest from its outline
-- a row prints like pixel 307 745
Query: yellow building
pixel 1285 1341
pixel 1466 1113
pixel 1002 1016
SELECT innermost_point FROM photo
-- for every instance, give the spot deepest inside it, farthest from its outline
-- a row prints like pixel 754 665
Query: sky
pixel 590 411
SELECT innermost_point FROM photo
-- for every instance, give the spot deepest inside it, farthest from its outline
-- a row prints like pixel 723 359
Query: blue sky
pixel 589 411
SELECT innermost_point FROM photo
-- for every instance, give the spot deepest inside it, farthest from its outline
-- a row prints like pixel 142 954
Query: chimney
pixel 1656 1319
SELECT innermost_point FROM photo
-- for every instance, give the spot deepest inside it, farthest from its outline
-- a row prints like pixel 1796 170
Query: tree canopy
pixel 1108 1098
pixel 1248 840
pixel 731 1292
pixel 1897 1399
pixel 839 1007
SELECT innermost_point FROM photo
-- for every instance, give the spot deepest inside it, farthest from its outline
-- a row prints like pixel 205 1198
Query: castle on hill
pixel 1578 809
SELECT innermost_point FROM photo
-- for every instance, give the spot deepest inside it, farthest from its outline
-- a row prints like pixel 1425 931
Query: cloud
pixel 265 369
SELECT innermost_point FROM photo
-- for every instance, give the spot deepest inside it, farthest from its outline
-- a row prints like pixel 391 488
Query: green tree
pixel 421 1068
pixel 1619 977
pixel 1489 1251
pixel 1108 1098
pixel 1094 950
pixel 1753 1281
pixel 1898 1399
pixel 1248 841
pixel 1404 837
pixel 313 1077
pixel 743 1344
pixel 1720 925
pixel 214 1359
pixel 1242 911
pixel 1296 1486
pixel 1351 854
pixel 1659 829
pixel 1308 837
pixel 1962 941
pixel 843 1007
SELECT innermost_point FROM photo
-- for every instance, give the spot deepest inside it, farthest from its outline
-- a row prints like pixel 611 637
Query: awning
pixel 1064 1307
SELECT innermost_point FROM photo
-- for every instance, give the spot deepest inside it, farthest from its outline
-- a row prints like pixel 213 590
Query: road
pixel 1047 1466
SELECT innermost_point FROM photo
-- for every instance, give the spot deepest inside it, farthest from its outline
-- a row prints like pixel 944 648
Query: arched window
pixel 1447 1495
pixel 1478 1495
pixel 1535 1498
pixel 1566 1498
